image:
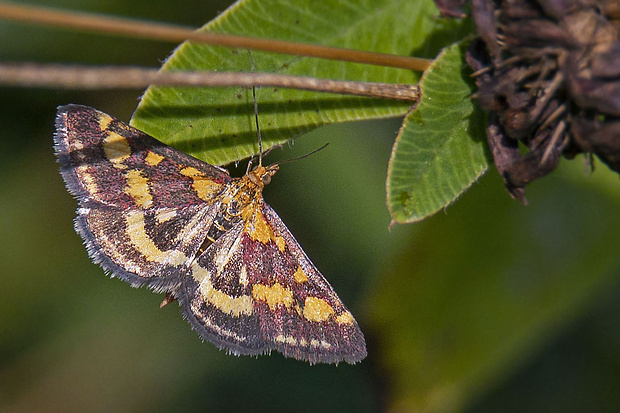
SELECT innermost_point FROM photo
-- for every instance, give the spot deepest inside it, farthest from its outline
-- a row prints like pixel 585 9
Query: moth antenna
pixel 260 140
pixel 268 151
pixel 302 156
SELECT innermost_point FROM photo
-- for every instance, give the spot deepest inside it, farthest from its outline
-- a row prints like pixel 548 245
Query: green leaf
pixel 440 150
pixel 480 289
pixel 217 124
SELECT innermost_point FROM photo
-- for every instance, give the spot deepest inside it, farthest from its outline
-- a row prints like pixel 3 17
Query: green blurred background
pixel 488 306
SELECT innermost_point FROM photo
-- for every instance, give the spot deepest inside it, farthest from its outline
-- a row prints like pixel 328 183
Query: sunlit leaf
pixel 217 124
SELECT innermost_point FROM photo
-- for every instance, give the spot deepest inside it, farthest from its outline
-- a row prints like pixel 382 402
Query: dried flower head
pixel 548 72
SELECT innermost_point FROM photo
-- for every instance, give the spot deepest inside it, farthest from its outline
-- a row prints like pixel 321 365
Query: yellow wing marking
pixel 75 145
pixel 138 188
pixel 300 276
pixel 204 187
pixel 316 309
pixel 165 215
pixel 261 231
pixel 345 318
pixel 243 276
pixel 87 179
pixel 235 306
pixel 144 244
pixel 280 243
pixel 274 295
pixel 292 341
pixel 153 159
pixel 104 121
pixel 218 329
pixel 109 246
pixel 116 149
pixel 317 343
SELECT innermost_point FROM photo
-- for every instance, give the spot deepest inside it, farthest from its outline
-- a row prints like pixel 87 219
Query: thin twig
pixel 116 77
pixel 556 114
pixel 551 146
pixel 177 34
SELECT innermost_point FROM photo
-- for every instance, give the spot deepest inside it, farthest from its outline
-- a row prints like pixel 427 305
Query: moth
pixel 157 217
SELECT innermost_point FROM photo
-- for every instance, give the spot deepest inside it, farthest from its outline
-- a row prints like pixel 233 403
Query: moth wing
pixel 254 290
pixel 152 247
pixel 321 322
pixel 107 162
pixel 144 207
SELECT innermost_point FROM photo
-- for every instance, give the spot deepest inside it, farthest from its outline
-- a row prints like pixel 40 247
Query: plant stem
pixel 115 77
pixel 177 34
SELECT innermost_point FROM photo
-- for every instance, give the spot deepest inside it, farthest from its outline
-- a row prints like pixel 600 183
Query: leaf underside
pixel 440 149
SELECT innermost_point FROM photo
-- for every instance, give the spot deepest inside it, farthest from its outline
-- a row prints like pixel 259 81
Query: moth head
pixel 261 175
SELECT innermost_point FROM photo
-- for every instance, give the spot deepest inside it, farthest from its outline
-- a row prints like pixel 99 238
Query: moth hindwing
pixel 154 216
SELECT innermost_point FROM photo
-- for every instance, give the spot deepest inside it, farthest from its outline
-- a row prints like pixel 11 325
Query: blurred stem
pixel 177 34
pixel 110 77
